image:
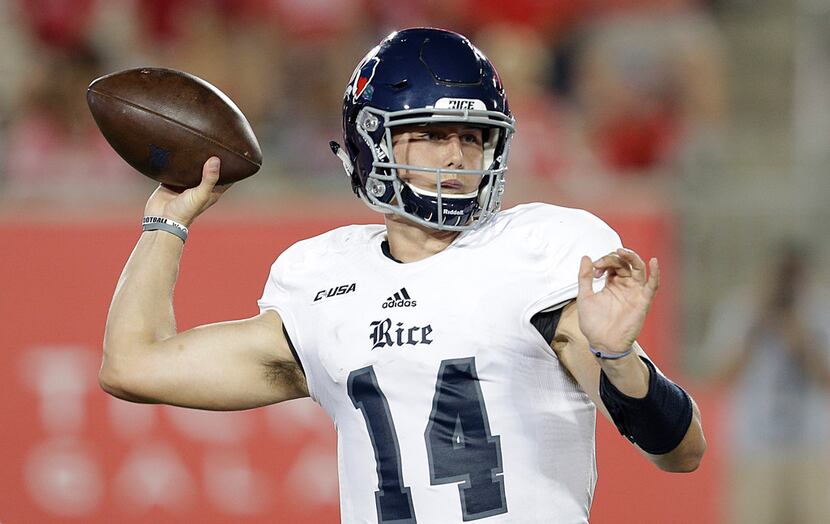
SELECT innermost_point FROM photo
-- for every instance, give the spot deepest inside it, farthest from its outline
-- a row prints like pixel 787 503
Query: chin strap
pixel 456 209
pixel 339 153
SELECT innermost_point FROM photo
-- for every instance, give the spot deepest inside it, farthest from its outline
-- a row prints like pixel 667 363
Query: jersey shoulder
pixel 539 224
pixel 545 244
pixel 552 217
pixel 321 253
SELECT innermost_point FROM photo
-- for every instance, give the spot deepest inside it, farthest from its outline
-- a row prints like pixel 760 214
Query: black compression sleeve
pixel 545 323
pixel 657 422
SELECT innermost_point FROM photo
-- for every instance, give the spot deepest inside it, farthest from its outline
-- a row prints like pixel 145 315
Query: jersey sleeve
pixel 277 296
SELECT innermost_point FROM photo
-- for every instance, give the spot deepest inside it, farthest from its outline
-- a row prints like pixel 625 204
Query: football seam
pixel 188 128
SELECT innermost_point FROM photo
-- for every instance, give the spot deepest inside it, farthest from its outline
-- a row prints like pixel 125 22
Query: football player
pixel 461 350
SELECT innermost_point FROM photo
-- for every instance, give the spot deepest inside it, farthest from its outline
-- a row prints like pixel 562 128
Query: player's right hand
pixel 184 207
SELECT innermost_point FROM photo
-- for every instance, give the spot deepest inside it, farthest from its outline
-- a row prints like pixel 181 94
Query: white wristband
pixel 153 223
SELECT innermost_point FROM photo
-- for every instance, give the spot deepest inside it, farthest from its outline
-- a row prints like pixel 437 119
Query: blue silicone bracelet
pixel 610 356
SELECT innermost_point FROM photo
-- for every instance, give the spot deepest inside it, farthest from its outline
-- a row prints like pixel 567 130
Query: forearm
pixel 628 374
pixel 653 413
pixel 647 408
pixel 143 358
pixel 141 311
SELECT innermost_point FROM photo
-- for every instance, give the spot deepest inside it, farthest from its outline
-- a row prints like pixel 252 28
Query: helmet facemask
pixel 387 192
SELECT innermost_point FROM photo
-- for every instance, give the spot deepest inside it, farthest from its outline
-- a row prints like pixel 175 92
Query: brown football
pixel 167 123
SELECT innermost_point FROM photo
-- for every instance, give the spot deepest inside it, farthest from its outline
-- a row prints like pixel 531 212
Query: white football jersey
pixel 449 405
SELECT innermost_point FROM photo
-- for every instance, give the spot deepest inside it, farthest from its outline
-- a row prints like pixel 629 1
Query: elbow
pixel 685 460
pixel 688 455
pixel 114 379
pixel 108 381
pixel 107 377
pixel 685 465
pixel 111 381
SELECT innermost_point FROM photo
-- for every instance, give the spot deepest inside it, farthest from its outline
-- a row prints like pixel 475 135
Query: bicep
pixel 230 365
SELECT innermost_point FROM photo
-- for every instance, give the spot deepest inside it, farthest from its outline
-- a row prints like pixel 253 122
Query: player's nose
pixel 454 152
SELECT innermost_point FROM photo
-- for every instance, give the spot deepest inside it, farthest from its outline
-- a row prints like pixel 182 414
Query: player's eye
pixel 431 135
pixel 472 138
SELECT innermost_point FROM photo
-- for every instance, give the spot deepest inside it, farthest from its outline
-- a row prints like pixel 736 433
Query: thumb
pixel 210 175
pixel 586 278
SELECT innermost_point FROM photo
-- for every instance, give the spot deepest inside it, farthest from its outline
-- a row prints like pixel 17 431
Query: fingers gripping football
pixel 184 207
pixel 612 318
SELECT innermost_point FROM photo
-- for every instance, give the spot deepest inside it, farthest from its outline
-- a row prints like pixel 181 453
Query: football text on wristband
pixel 610 356
pixel 152 223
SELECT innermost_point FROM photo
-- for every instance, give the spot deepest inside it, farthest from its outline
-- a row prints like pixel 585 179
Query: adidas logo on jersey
pixel 399 299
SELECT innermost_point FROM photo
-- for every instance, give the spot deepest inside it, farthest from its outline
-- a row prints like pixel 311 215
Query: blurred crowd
pixel 608 95
pixel 768 349
pixel 621 106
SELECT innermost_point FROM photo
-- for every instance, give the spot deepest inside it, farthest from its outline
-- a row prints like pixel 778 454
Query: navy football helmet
pixel 424 76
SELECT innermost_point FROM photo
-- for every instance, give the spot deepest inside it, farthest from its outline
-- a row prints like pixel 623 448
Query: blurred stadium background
pixel 693 127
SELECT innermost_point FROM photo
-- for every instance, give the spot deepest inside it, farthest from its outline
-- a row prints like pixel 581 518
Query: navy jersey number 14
pixel 458 439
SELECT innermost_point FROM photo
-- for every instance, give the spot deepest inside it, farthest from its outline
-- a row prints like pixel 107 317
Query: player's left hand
pixel 612 319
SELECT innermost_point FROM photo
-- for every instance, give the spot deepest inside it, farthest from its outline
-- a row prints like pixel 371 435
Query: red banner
pixel 72 453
